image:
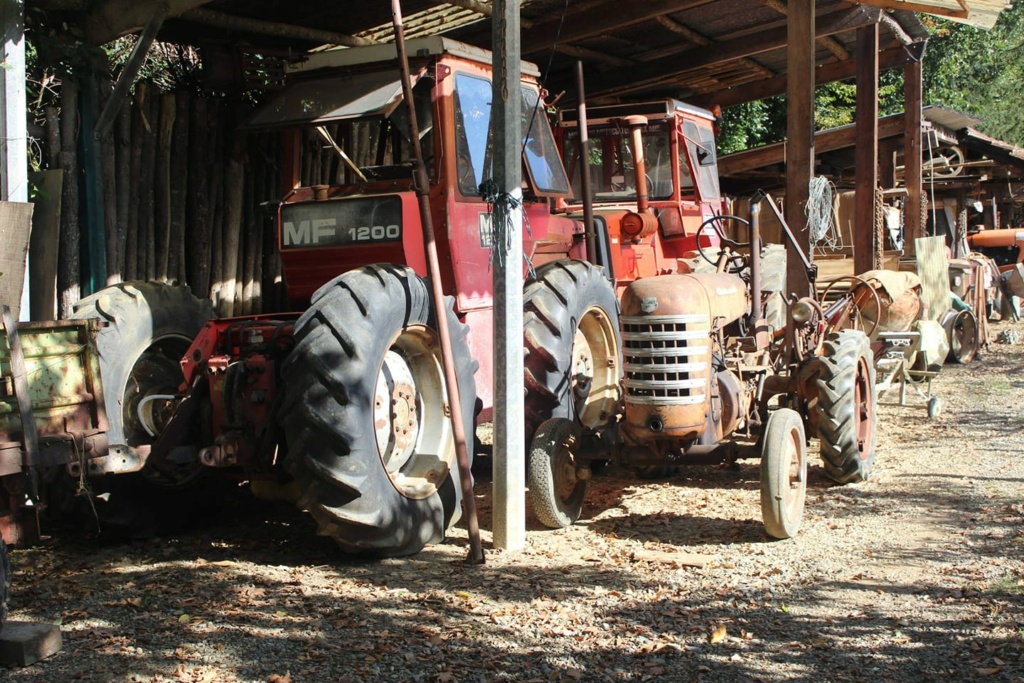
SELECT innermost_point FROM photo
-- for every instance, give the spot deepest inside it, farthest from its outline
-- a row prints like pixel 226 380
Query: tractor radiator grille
pixel 666 358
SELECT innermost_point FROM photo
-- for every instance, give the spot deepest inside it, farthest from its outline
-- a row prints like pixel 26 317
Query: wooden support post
pixel 799 134
pixel 94 239
pixel 509 516
pixel 13 120
pixel 913 217
pixel 866 155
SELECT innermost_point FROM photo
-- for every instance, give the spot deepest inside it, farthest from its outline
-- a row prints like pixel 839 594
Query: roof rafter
pixel 731 50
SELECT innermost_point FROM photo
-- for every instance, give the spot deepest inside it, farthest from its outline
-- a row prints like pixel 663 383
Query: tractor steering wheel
pixel 845 307
pixel 732 257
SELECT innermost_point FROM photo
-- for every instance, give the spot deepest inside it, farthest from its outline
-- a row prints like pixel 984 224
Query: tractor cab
pixel 652 218
pixel 349 197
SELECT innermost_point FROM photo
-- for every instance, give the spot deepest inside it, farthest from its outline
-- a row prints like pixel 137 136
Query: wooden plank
pixel 824 141
pixel 799 134
pixel 42 253
pixel 15 228
pixel 866 154
pixel 913 216
pixel 933 269
pixel 658 70
pixel 596 22
pixel 826 73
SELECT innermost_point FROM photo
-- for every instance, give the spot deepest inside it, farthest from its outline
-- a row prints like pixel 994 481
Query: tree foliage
pixel 980 72
pixel 967 69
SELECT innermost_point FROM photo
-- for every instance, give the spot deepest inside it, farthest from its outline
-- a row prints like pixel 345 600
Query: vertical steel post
pixel 509 517
pixel 476 553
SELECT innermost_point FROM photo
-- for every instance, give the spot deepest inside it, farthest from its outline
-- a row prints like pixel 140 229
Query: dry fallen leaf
pixel 277 678
pixel 719 634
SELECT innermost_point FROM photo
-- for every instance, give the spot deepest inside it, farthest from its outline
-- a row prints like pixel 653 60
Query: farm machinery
pixel 345 401
pixel 708 365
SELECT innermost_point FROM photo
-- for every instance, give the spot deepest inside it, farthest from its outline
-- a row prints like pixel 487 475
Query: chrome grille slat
pixel 665 359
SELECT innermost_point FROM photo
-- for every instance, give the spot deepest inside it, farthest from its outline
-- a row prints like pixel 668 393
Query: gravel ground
pixel 913 576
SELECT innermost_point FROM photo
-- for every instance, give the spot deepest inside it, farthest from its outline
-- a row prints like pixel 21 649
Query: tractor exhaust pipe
pixel 755 261
pixel 422 183
pixel 585 181
pixel 636 123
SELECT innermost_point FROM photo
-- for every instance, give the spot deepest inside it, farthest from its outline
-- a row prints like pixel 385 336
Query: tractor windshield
pixel 611 162
pixel 474 147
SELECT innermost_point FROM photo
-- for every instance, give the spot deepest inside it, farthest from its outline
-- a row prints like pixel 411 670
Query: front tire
pixel 365 414
pixel 557 494
pixel 573 357
pixel 847 401
pixel 783 474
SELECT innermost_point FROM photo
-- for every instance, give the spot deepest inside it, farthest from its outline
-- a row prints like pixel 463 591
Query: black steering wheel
pixel 728 244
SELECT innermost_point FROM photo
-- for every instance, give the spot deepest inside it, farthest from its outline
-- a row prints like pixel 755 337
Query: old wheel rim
pixel 796 479
pixel 863 407
pixel 563 469
pixel 411 414
pixel 150 392
pixel 594 371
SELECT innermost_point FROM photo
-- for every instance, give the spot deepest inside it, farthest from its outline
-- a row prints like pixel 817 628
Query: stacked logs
pixel 182 195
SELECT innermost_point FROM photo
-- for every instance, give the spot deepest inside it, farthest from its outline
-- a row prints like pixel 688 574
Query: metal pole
pixel 509 517
pixel 585 183
pixel 476 552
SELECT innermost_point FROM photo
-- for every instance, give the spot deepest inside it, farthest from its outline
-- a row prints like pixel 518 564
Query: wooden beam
pixel 594 55
pixel 913 215
pixel 658 70
pixel 865 246
pixel 112 19
pixel 889 127
pixel 597 23
pixel 831 44
pixel 919 7
pixel 800 34
pixel 273 28
pixel 826 73
pixel 484 9
pixel 698 39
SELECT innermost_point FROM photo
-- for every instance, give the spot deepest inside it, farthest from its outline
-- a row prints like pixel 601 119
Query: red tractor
pixel 347 398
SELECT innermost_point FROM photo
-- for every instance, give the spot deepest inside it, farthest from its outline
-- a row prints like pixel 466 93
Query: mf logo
pixel 312 231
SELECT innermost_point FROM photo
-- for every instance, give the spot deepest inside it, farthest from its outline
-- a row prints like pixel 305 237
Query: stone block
pixel 26 642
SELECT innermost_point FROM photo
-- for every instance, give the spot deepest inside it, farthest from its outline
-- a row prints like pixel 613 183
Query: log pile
pixel 181 199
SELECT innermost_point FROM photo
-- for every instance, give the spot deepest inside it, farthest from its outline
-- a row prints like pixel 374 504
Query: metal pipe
pixel 585 183
pixel 422 183
pixel 755 261
pixel 635 123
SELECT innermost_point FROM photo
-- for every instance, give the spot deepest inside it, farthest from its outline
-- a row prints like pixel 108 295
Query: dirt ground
pixel 913 576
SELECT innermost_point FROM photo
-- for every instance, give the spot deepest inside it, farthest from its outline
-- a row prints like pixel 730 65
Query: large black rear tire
pixel 847 400
pixel 366 413
pixel 573 356
pixel 149 328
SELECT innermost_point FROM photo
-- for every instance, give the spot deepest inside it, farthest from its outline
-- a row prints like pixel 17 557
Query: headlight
pixel 802 312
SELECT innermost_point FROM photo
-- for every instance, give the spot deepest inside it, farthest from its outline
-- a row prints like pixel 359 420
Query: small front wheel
pixel 783 473
pixel 557 490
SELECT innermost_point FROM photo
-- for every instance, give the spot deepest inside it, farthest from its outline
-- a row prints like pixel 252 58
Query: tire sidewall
pixel 844 350
pixel 548 359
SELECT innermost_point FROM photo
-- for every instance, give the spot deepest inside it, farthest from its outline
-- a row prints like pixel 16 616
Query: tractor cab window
pixel 700 148
pixel 474 145
pixel 354 129
pixel 611 162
